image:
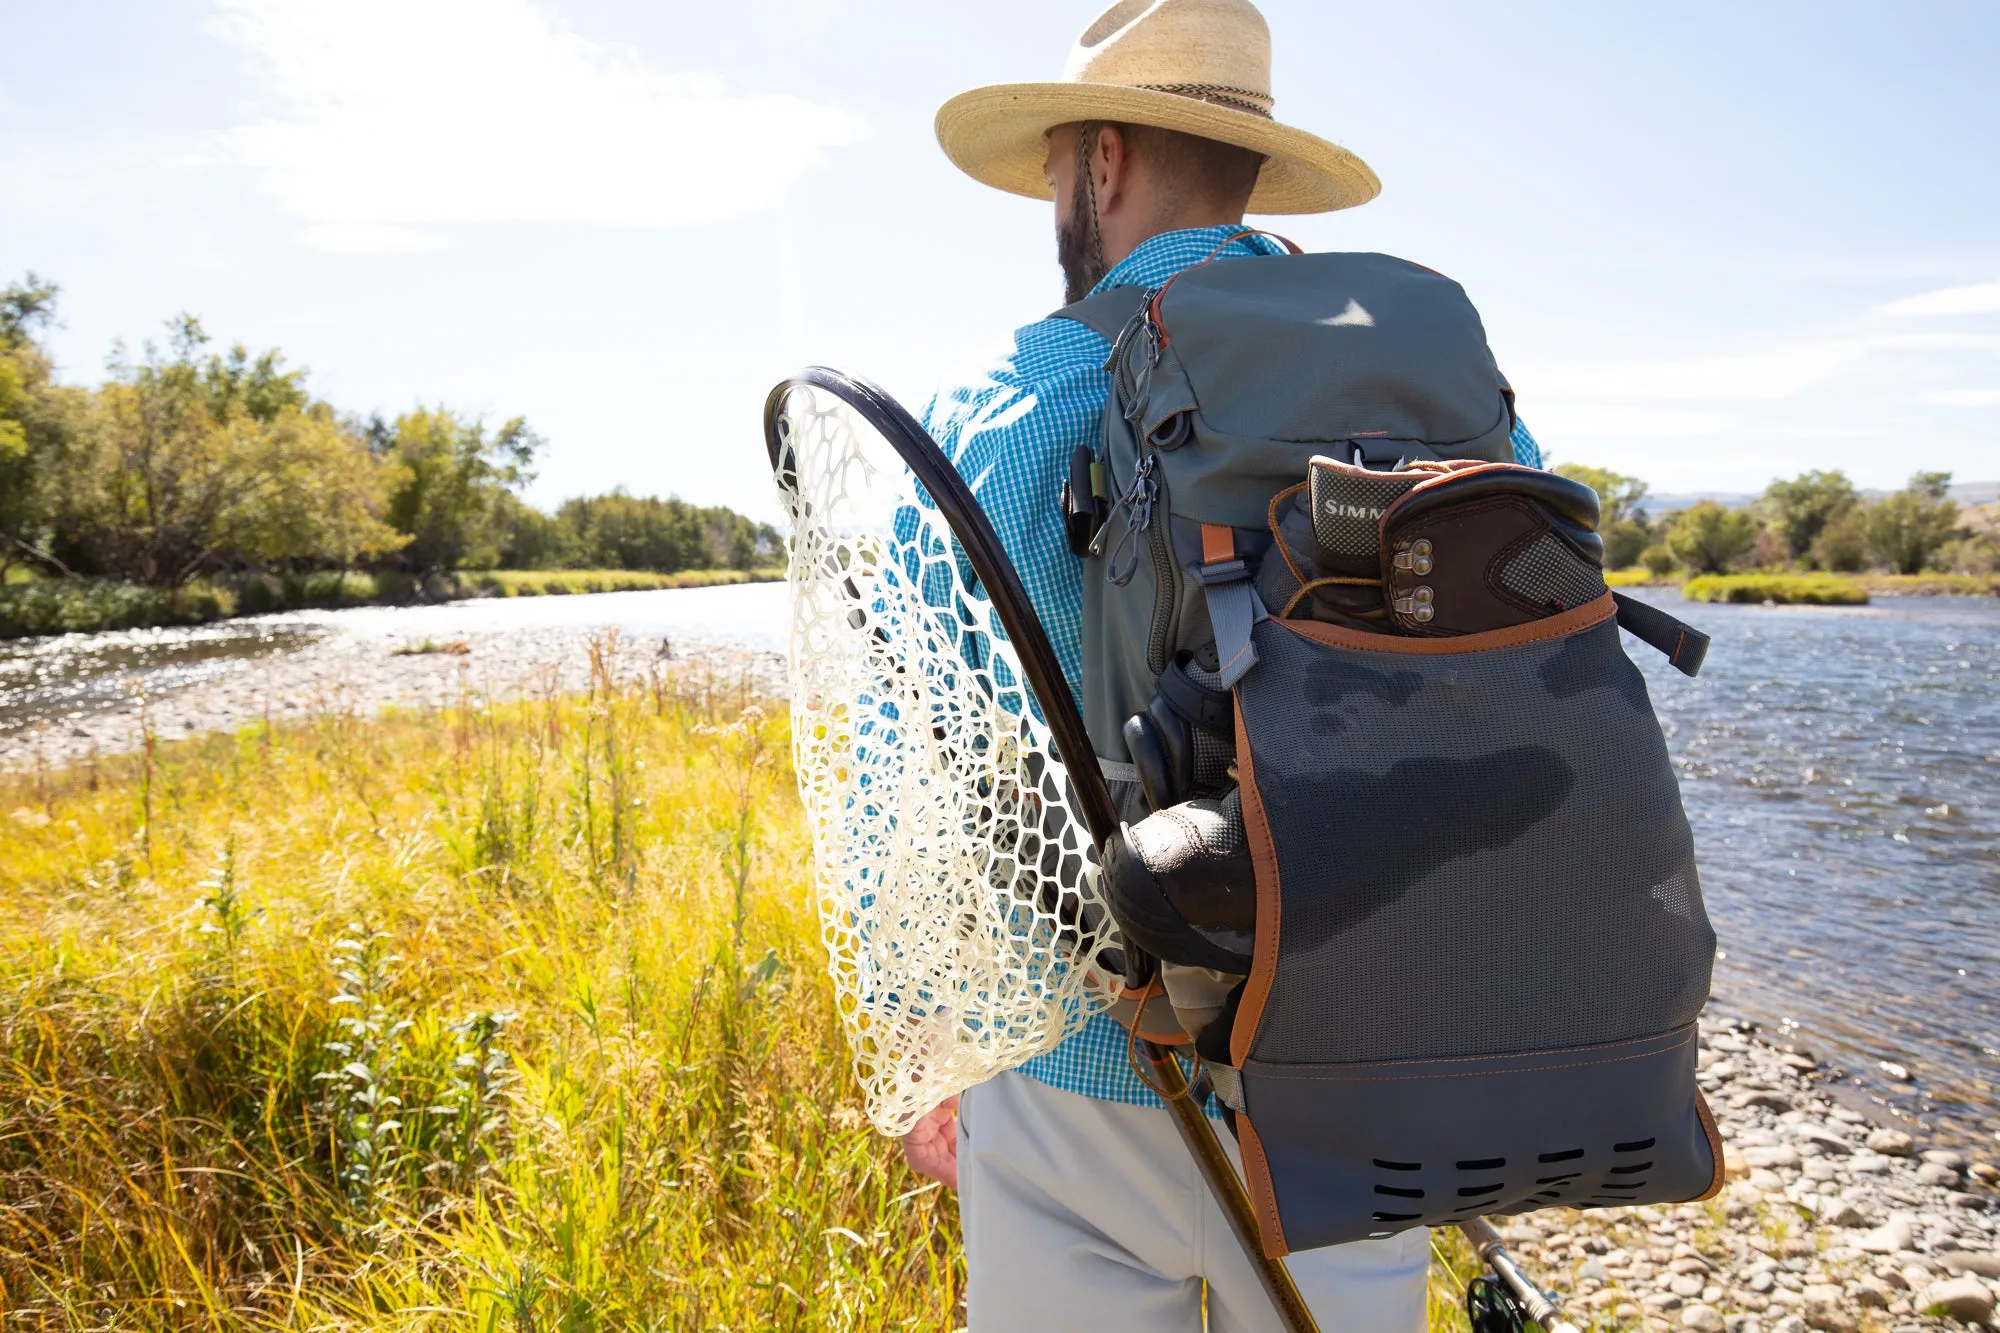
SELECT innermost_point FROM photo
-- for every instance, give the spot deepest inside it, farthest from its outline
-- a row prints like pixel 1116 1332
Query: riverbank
pixel 84 606
pixel 1830 1220
pixel 1809 589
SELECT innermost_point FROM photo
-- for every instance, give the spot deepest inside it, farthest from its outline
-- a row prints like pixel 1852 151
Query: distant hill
pixel 1665 502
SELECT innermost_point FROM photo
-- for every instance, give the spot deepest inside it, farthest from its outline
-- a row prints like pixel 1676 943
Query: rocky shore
pixel 365 673
pixel 1828 1221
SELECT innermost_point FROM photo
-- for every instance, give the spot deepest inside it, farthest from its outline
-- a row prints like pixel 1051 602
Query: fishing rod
pixel 996 574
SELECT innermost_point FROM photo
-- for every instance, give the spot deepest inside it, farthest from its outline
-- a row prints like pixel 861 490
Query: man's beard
pixel 1077 247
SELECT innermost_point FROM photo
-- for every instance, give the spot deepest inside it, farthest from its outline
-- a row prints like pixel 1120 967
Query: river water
pixel 1838 766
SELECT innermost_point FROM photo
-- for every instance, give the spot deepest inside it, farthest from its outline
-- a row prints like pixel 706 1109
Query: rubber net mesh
pixel 951 869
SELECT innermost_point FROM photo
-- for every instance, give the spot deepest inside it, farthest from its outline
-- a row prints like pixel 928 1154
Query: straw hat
pixel 1202 67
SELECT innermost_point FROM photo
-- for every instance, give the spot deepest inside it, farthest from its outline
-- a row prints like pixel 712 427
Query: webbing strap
pixel 1685 646
pixel 1233 606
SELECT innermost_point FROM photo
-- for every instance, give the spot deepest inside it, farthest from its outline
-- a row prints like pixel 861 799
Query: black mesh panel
pixel 1549 574
pixel 1480 853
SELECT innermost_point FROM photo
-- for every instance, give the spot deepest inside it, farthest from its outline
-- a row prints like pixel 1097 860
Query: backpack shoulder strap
pixel 1105 313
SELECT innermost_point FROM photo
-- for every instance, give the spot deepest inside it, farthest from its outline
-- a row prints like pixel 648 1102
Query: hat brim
pixel 998 135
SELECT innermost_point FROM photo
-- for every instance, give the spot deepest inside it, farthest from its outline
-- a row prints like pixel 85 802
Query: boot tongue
pixel 1347 504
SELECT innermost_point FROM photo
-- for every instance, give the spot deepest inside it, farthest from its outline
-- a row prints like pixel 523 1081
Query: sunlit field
pixel 509 1016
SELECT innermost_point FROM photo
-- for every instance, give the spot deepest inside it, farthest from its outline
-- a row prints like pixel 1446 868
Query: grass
pixel 31 606
pixel 1785 589
pixel 498 1017
pixel 558 582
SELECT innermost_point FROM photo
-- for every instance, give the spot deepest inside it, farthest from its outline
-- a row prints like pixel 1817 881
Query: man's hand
pixel 931 1148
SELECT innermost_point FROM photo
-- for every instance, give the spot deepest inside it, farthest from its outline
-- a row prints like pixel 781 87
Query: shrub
pixel 1709 539
pixel 1658 560
pixel 1785 589
pixel 1842 545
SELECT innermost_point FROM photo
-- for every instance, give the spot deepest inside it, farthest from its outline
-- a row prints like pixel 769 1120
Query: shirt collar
pixel 1158 258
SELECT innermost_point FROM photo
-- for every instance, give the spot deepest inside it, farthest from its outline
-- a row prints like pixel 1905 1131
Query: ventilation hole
pixel 1483 1164
pixel 1631 1170
pixel 1637 1145
pixel 1549 1194
pixel 1557 1180
pixel 1395 1217
pixel 1399 1166
pixel 1393 1192
pixel 1475 1191
pixel 1623 1188
pixel 1569 1156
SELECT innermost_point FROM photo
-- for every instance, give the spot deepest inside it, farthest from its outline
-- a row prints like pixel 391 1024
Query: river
pixel 1838 766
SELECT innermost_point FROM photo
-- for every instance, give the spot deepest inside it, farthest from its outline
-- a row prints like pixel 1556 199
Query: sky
pixel 1713 243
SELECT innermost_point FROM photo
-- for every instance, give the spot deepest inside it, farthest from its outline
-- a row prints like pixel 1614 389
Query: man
pixel 1081 1209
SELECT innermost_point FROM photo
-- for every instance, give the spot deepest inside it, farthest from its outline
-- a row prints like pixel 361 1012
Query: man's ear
pixel 1112 165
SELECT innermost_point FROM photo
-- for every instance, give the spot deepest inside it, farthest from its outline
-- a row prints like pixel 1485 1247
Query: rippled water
pixel 1839 768
pixel 1838 765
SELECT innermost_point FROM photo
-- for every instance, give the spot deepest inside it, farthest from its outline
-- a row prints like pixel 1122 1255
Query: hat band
pixel 1217 94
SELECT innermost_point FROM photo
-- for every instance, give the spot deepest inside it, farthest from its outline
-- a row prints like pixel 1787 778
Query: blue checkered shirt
pixel 1009 422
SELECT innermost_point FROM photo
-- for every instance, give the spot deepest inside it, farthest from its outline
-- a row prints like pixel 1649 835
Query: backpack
pixel 1402 833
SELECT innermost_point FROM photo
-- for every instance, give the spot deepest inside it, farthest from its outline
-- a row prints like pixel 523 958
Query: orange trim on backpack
pixel 1264 861
pixel 1263 1198
pixel 1218 544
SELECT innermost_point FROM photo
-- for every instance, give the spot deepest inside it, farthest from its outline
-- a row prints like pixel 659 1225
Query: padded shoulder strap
pixel 1105 313
pixel 1685 646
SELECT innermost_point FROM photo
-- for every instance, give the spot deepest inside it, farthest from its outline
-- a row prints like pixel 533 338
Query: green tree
pixel 1618 496
pixel 1842 545
pixel 1907 529
pixel 191 463
pixel 452 477
pixel 33 416
pixel 1708 538
pixel 1803 506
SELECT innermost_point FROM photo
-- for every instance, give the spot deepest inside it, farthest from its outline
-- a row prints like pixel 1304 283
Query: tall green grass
pixel 1784 589
pixel 500 1017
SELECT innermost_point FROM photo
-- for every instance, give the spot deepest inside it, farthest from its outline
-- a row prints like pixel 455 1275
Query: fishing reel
pixel 1490 1307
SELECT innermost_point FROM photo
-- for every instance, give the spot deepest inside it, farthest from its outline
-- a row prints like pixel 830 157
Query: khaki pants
pixel 1090 1215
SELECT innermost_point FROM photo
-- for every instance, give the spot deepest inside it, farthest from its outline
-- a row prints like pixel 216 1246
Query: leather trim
pixel 1263 1198
pixel 1264 859
pixel 1591 613
pixel 1218 544
pixel 1707 1118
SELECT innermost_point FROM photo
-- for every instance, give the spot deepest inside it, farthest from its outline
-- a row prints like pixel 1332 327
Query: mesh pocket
pixel 1476 853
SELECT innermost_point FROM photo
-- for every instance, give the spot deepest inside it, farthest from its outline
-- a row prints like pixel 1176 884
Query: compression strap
pixel 1685 646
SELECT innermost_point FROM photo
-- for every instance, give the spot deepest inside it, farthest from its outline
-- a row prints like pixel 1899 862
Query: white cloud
pixel 1981 298
pixel 361 238
pixel 400 112
pixel 1964 398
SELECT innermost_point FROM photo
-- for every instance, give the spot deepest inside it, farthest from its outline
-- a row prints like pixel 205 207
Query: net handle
pixel 989 561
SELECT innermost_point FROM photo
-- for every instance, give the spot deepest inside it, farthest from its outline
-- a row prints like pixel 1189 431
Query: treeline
pixel 1814 521
pixel 191 463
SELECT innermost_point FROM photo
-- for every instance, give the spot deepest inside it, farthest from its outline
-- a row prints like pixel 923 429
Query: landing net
pixel 950 866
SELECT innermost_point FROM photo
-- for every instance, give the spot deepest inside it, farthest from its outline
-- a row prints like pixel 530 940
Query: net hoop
pixel 953 869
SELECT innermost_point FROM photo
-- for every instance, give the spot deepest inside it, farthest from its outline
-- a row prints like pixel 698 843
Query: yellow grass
pixel 501 1017
pixel 557 582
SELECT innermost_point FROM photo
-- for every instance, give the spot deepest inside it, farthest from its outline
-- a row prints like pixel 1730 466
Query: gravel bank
pixel 1829 1221
pixel 366 673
